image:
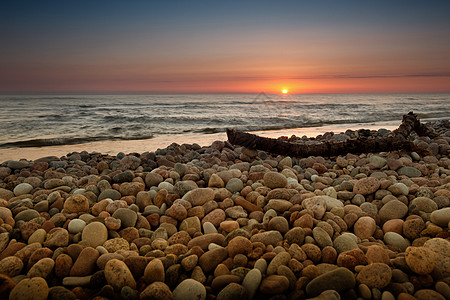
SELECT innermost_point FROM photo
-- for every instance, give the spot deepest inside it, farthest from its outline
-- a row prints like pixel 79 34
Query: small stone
pixel 199 196
pixel 364 227
pixel 85 263
pixel 63 265
pixel 274 284
pixel 154 271
pixel 131 188
pixel 238 245
pixel 398 189
pixel 232 291
pixel 116 244
pixel 393 209
pixel 428 294
pixel 280 259
pixel 396 240
pixel 42 268
pixel 420 260
pixel 216 181
pixel 366 186
pixel 409 171
pixel 375 275
pixel 189 262
pixel 35 288
pixel 234 185
pixel 210 259
pixel 127 217
pixel 11 266
pixel 271 237
pixel 229 226
pixel 94 234
pixel 22 189
pixel 317 205
pixel 274 180
pixel 251 282
pixel 76 203
pixel 340 280
pixel 236 212
pixel 157 291
pixel 441 217
pixel 345 242
pixel 153 179
pixel 60 292
pixel 189 289
pixel 118 275
pixel 76 225
pixel 280 205
pixel 322 238
pixel 57 237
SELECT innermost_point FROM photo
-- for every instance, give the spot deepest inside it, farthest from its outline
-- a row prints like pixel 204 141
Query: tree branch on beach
pixel 397 140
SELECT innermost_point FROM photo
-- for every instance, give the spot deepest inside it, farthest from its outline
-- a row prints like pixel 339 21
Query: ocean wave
pixel 71 141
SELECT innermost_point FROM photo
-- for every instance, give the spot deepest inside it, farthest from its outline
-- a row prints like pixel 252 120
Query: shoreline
pixel 160 142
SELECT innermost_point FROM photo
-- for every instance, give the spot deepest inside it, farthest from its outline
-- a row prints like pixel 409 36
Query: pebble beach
pixel 227 222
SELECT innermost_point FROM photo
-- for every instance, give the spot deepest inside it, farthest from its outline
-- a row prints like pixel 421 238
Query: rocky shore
pixel 226 222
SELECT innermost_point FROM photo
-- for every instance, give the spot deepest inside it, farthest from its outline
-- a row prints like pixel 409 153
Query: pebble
pixel 94 234
pixel 11 266
pixel 157 291
pixel 270 237
pixel 85 263
pixel 118 275
pixel 364 227
pixel 275 180
pixel 375 275
pixel 366 186
pixel 232 291
pixel 22 189
pixel 34 288
pixel 154 271
pixel 274 284
pixel 76 203
pixel 409 171
pixel 76 226
pixel 396 240
pixel 42 268
pixel 252 281
pixel 127 216
pixel 420 260
pixel 340 279
pixel 345 242
pixel 189 289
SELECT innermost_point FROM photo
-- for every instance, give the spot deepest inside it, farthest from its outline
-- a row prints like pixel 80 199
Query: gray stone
pixel 340 280
pixel 13 164
pixel 22 189
pixel 109 193
pixel 321 237
pixel 127 216
pixel 190 289
pixel 409 171
pixel 234 185
pixel 396 240
pixel 251 282
pixel 441 217
pixel 345 242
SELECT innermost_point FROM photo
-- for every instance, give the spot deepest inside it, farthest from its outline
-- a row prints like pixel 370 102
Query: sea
pixel 33 126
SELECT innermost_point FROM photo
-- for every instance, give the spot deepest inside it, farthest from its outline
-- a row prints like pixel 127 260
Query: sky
pixel 196 46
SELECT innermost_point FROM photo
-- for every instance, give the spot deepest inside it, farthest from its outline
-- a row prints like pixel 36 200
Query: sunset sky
pixel 224 46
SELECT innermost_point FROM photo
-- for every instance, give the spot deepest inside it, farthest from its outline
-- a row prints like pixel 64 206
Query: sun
pixel 284 91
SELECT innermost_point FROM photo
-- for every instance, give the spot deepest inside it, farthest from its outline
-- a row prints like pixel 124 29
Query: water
pixel 41 121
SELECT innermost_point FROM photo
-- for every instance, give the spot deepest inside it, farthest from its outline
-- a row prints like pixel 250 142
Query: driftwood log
pixel 397 140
